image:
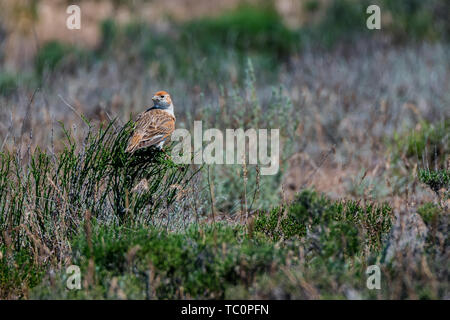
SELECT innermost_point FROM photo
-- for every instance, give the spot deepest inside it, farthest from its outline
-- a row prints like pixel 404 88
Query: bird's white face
pixel 162 99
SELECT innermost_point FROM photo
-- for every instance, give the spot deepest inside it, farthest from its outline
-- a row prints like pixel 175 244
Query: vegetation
pixel 343 226
pixel 223 261
pixel 8 83
pixel 363 168
pixel 55 55
pixel 416 19
pixel 246 28
pixel 45 201
pixel 151 263
pixel 436 179
pixel 343 20
pixel 427 143
pixel 429 212
pixel 424 150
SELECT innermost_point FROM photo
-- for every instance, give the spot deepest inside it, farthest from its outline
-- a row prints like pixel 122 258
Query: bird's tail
pixel 133 143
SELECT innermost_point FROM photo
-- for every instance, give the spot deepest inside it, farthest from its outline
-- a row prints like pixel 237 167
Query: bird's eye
pixel 162 97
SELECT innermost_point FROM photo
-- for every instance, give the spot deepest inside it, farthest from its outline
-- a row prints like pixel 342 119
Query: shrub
pixel 342 227
pixel 427 142
pixel 236 185
pixel 276 227
pixel 55 54
pixel 17 272
pixel 199 263
pixel 246 28
pixel 205 47
pixel 429 212
pixel 435 179
pixel 414 18
pixel 49 56
pixel 343 20
pixel 311 5
pixel 8 84
pixel 438 241
pixel 44 202
pixel 109 31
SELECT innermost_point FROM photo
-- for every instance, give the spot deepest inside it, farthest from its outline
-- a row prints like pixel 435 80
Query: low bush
pixel 429 212
pixel 8 84
pixel 149 263
pixel 342 20
pixel 54 54
pixel 341 228
pixel 415 19
pixel 428 144
pixel 44 201
pixel 436 179
pixel 247 28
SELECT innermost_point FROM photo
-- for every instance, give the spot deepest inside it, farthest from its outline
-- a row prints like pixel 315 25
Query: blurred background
pixel 346 98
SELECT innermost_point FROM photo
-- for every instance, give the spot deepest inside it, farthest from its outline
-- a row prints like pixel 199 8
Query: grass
pixel 233 36
pixel 8 84
pixel 424 150
pixel 54 54
pixel 429 212
pixel 233 261
pixel 246 28
pixel 206 261
pixel 45 200
pixel 243 109
pixel 255 31
pixel 427 142
pixel 436 179
pixel 86 217
pixel 343 226
pixel 415 19
pixel 342 21
pixel 150 263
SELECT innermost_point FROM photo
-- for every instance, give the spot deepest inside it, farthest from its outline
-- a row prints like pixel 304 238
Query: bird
pixel 154 125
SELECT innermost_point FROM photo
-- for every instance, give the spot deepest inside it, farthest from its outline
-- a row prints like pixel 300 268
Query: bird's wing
pixel 152 127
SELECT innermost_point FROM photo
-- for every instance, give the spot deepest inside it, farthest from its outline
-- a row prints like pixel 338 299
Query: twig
pixel 322 161
pixel 27 113
pixel 73 109
pixel 211 193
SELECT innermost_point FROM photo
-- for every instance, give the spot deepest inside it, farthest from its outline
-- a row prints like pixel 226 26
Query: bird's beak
pixel 155 98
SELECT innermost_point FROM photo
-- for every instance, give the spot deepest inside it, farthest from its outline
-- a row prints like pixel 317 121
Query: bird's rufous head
pixel 162 99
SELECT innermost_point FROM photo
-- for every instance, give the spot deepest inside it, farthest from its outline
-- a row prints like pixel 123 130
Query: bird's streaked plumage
pixel 154 125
